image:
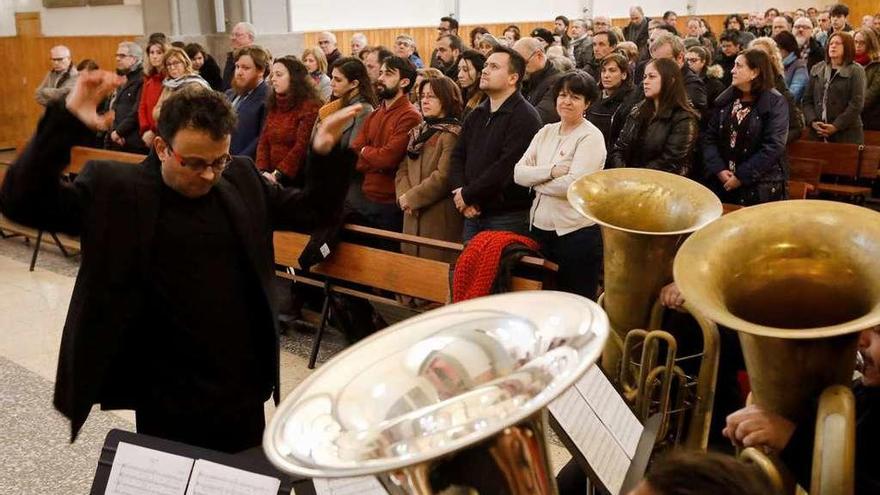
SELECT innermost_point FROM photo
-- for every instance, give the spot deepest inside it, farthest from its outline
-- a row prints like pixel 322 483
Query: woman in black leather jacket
pixel 661 131
pixel 743 146
pixel 616 97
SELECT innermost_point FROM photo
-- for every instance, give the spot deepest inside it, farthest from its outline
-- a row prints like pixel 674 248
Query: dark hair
pixel 786 41
pixel 709 32
pixel 157 38
pixel 692 473
pixel 178 44
pixel 476 59
pixel 87 64
pixel 301 89
pixel 577 82
pixel 849 47
pixel 773 9
pixel 382 53
pixel 742 25
pixel 516 64
pixel 405 69
pixel 672 92
pixel 195 107
pixel 839 10
pixel 515 29
pixel 194 49
pixel 669 13
pixel 454 41
pixel 759 60
pixel 354 70
pixel 563 19
pixel 704 55
pixel 259 55
pixel 669 29
pixel 478 31
pixel 447 92
pixel 622 62
pixel 612 38
pixel 453 22
pixel 731 36
pixel 543 34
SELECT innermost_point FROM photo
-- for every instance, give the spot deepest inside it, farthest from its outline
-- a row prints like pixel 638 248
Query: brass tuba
pixel 644 215
pixel 798 280
pixel 452 399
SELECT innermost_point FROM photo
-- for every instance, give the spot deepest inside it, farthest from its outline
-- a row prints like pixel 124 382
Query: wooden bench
pixel 79 156
pixel 872 138
pixel 805 174
pixel 353 265
pixel 849 161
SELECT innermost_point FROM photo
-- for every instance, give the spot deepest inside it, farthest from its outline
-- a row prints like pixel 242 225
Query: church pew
pixel 843 160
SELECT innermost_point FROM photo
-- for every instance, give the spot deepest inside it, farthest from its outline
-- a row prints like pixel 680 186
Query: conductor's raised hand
pixel 91 89
pixel 330 129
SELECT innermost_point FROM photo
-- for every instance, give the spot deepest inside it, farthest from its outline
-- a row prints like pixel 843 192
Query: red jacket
pixel 284 140
pixel 381 146
pixel 150 92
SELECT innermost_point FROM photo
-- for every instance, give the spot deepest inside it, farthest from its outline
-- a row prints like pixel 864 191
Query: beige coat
pixel 425 181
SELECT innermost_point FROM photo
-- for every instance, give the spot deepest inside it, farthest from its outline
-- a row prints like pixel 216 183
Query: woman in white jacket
pixel 559 154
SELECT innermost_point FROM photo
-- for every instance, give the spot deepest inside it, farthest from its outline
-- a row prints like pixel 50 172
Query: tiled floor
pixel 36 456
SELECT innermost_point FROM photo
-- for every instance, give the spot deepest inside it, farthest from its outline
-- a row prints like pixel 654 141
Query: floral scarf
pixel 421 134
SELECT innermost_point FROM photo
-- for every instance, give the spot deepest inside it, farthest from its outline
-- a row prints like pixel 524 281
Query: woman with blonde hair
pixel 154 74
pixel 179 73
pixel 316 63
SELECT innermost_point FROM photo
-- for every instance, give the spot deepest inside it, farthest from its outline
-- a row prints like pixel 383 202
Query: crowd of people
pixel 488 131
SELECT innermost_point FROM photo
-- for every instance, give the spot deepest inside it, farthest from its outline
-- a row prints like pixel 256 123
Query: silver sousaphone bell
pixel 453 399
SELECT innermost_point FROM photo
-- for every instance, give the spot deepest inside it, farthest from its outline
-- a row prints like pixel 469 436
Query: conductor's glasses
pixel 198 165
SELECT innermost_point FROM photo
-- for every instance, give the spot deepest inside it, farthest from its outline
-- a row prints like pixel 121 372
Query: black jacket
pixel 538 90
pixel 228 71
pixel 760 152
pixel 666 142
pixel 609 114
pixel 125 122
pixel 489 146
pixel 726 63
pixel 251 117
pixel 638 33
pixel 210 72
pixel 113 207
pixel 693 86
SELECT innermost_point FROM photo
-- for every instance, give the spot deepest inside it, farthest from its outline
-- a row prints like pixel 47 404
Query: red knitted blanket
pixel 477 266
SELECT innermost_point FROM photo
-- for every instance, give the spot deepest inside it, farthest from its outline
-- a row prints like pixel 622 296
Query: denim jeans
pixel 517 221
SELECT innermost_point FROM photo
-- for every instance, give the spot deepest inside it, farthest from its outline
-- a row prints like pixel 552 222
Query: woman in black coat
pixel 205 65
pixel 661 131
pixel 609 113
pixel 743 146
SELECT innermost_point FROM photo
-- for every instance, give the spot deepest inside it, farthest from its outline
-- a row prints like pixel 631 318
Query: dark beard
pixel 387 93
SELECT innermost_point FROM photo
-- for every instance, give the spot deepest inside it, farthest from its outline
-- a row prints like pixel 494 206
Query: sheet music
pixel 210 478
pixel 363 485
pixel 611 409
pixel 138 470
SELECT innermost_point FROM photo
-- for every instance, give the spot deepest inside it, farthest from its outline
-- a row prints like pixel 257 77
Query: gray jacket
pixel 56 85
pixel 836 100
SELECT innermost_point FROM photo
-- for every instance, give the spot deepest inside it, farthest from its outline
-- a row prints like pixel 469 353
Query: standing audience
pixel 470 67
pixel 58 81
pixel 616 99
pixel 358 43
pixel 540 77
pixel 124 133
pixel 205 65
pixel 449 48
pixel 699 59
pixel 835 95
pixel 637 29
pixel 179 73
pixel 154 74
pixel 316 64
pixel 248 97
pixel 422 181
pixel 405 47
pixel 327 44
pixel 559 154
pixel 796 74
pixel 292 107
pixel 868 56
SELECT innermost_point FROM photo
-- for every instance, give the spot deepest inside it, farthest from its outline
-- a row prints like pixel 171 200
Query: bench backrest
pixel 872 138
pixel 808 170
pixel 844 159
pixel 80 155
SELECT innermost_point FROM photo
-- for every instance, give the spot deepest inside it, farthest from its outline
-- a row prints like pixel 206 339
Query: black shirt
pixel 204 333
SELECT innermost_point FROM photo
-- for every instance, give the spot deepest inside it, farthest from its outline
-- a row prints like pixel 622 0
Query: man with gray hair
pixel 601 24
pixel 327 44
pixel 243 34
pixel 540 77
pixel 123 134
pixel 405 47
pixel 60 80
pixel 668 45
pixel 637 29
pixel 809 48
pixel 358 43
pixel 581 43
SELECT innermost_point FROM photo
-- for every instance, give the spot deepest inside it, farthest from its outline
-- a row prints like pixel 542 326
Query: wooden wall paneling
pixel 19 112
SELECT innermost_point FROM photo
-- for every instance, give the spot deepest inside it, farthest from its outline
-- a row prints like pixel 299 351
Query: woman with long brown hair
pixel 293 108
pixel 661 130
pixel 154 74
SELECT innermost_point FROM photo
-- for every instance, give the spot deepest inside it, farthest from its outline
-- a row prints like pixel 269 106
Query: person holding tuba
pixel 754 426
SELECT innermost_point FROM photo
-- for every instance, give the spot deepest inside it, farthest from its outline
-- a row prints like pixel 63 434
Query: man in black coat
pixel 124 134
pixel 637 29
pixel 171 314
pixel 541 75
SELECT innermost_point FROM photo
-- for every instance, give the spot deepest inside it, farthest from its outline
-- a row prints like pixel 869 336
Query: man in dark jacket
pixel 171 314
pixel 123 134
pixel 541 75
pixel 248 98
pixel 809 49
pixel 243 35
pixel 637 29
pixel 493 138
pixel 448 53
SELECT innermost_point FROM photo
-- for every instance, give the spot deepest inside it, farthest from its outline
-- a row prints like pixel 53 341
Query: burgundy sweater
pixel 284 140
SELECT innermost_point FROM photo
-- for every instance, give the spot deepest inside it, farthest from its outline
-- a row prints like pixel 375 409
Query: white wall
pixel 75 21
pixel 320 15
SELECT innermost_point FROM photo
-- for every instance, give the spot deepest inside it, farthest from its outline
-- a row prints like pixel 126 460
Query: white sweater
pixel 583 150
